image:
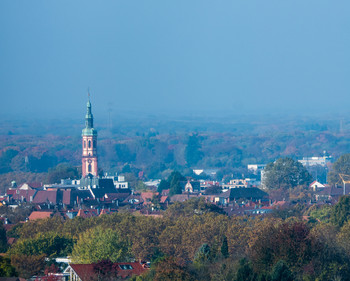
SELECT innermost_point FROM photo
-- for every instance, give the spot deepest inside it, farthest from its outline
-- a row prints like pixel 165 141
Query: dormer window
pixel 125 267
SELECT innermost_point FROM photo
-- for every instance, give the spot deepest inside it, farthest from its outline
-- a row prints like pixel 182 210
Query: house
pixel 134 199
pixel 147 197
pixel 234 194
pixel 31 185
pixel 181 197
pixel 332 193
pixel 315 185
pixel 120 271
pixel 21 195
pixel 89 213
pixel 46 197
pixel 164 201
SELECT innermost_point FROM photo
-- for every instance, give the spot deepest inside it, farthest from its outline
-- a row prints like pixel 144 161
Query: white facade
pixel 314 161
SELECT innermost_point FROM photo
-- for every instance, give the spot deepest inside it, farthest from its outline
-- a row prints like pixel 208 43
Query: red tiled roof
pixel 66 197
pixel 8 226
pixel 11 191
pixel 87 213
pixel 163 199
pixel 36 215
pixel 11 240
pixel 45 196
pixel 86 271
pixel 147 196
pixel 103 212
pixel 21 194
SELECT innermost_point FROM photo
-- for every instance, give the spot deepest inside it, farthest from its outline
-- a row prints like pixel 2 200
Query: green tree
pixel 202 256
pixel 3 239
pixel 51 244
pixel 193 153
pixel 341 166
pixel 6 269
pixel 164 184
pixel 281 272
pixel 341 211
pixel 224 248
pixel 62 171
pixel 98 244
pixel 5 160
pixel 245 271
pixel 175 179
pixel 286 173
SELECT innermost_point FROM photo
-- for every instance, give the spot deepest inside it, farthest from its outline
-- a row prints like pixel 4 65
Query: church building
pixel 89 143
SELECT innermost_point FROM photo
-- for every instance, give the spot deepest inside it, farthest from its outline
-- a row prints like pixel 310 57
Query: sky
pixel 174 57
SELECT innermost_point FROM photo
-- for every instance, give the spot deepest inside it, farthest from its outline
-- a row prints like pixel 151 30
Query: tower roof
pixel 89 121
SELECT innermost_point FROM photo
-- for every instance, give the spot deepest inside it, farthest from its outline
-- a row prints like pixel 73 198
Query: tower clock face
pixel 89 161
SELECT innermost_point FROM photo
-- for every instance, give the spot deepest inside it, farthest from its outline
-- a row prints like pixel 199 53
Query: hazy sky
pixel 174 56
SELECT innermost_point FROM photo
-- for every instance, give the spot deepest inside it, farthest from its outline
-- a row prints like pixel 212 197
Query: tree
pixel 193 153
pixel 224 248
pixel 341 166
pixel 98 244
pixel 104 270
pixel 3 239
pixel 51 244
pixel 341 211
pixel 27 266
pixel 168 269
pixel 281 272
pixel 175 179
pixel 202 256
pixel 163 185
pixel 5 160
pixel 286 173
pixel 245 271
pixel 6 269
pixel 290 241
pixel 214 189
pixel 62 171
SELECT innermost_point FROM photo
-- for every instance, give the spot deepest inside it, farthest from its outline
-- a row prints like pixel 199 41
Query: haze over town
pixel 186 140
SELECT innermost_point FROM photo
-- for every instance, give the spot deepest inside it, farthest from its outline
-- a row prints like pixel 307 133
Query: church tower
pixel 89 143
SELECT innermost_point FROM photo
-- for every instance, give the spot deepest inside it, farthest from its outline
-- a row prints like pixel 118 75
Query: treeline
pixel 157 147
pixel 196 241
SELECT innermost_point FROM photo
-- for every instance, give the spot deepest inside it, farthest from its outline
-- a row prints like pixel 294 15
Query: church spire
pixel 89 118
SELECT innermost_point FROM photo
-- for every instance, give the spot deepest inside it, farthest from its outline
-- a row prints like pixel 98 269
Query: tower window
pixel 84 144
pixel 89 168
pixel 89 143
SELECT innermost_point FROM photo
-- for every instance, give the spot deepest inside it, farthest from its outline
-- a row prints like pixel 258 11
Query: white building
pixel 314 161
pixel 256 168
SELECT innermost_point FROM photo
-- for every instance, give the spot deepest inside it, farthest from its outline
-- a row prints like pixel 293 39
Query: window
pixel 89 168
pixel 84 144
pixel 89 143
pixel 125 266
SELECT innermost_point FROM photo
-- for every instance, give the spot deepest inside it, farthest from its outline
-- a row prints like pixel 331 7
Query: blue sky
pixel 174 56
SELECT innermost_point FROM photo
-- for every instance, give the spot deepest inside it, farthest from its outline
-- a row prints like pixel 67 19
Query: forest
pixel 29 151
pixel 193 240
